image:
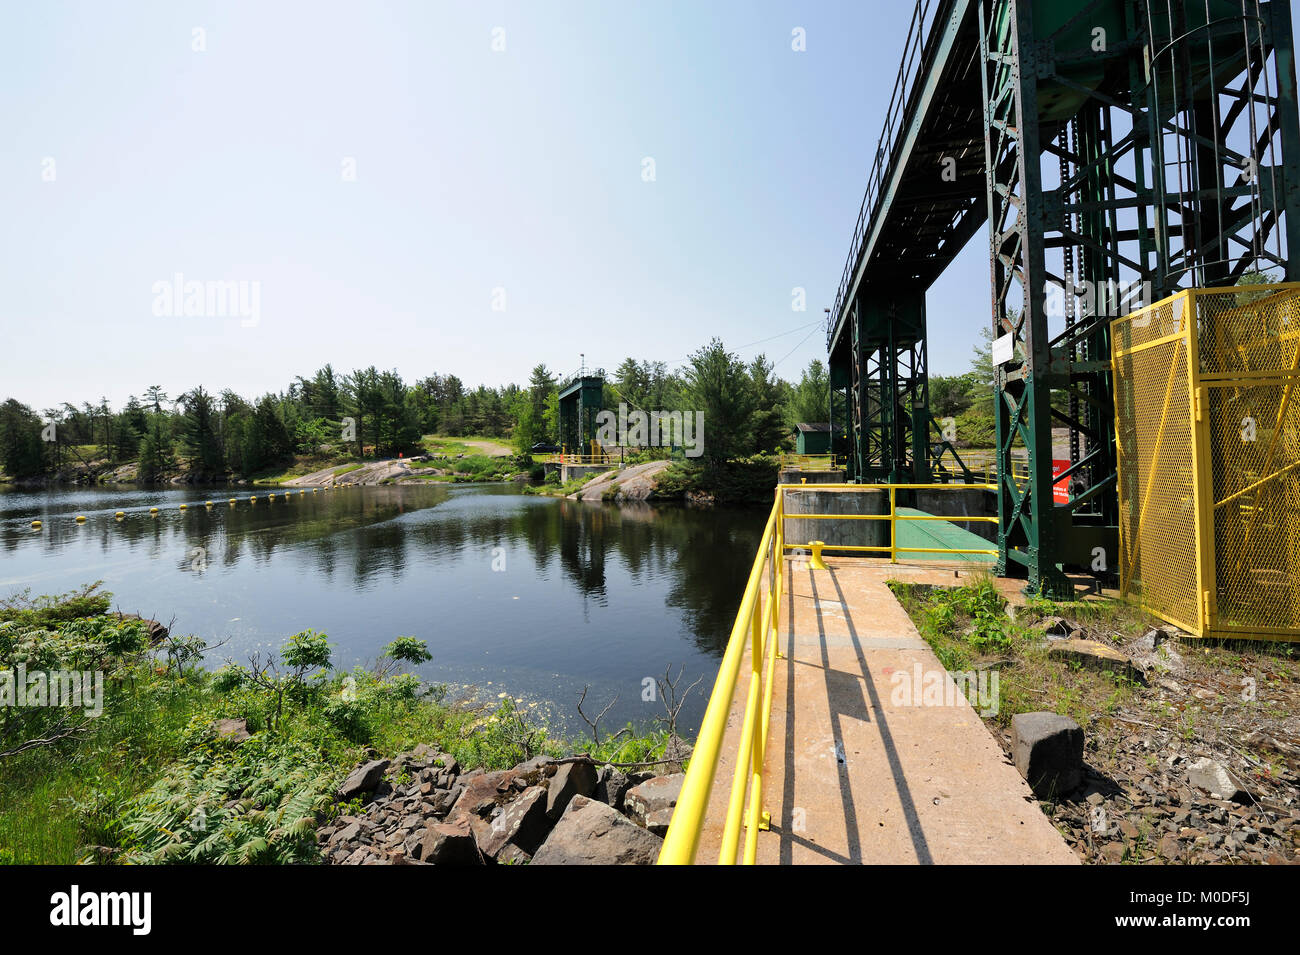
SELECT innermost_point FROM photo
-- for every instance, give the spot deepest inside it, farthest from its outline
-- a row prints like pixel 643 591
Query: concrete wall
pixel 832 501
pixel 796 476
pixel 570 471
pixel 973 502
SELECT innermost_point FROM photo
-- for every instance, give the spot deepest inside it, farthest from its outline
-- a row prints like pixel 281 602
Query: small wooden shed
pixel 812 438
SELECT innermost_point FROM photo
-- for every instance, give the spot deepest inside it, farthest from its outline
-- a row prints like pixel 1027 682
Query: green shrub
pixel 976 428
pixel 307 650
pixel 409 650
pixel 49 610
pixel 742 481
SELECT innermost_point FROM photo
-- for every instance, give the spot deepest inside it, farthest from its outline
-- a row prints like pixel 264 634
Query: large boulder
pixel 363 779
pixel 235 730
pixel 544 764
pixel 450 843
pixel 591 833
pixel 570 779
pixel 1096 656
pixel 521 823
pixel 485 791
pixel 651 803
pixel 1048 751
pixel 611 786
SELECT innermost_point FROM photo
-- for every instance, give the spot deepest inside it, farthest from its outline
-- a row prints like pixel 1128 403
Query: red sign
pixel 1061 491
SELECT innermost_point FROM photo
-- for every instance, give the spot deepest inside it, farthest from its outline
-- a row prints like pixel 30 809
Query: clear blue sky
pixel 475 170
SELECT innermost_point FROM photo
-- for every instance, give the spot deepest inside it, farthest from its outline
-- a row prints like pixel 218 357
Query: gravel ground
pixel 1138 802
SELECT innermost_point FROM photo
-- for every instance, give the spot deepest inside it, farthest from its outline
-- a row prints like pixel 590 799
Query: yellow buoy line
pixel 251 499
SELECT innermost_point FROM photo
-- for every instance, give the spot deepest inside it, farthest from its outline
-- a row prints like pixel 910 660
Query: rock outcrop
pixel 421 809
pixel 634 483
pixel 591 833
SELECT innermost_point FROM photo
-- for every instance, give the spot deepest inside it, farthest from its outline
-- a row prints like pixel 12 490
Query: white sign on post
pixel 1003 349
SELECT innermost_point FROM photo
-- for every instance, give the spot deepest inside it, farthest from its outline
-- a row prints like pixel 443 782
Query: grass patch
pixel 553 487
pixel 969 629
pixel 451 446
pixel 443 444
pixel 466 468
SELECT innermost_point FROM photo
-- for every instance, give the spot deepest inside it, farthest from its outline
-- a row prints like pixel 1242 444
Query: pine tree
pixel 199 432
pixel 717 383
pixel 22 452
pixel 768 425
pixel 155 450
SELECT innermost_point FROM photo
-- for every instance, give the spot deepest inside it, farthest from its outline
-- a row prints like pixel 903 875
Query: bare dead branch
pixel 668 696
pixel 595 724
pixel 48 740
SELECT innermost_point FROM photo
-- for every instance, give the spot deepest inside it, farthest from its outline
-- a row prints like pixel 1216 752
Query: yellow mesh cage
pixel 1207 409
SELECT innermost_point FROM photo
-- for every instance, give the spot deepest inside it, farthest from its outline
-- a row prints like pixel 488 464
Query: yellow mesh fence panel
pixel 1250 361
pixel 1157 510
pixel 1209 474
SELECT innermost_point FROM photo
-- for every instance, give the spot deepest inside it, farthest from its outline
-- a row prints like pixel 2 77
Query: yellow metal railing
pixel 569 458
pixel 755 624
pixel 892 548
pixel 756 627
pixel 987 471
pixel 810 462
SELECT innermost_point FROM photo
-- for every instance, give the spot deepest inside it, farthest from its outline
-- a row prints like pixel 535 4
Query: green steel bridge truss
pixel 1118 150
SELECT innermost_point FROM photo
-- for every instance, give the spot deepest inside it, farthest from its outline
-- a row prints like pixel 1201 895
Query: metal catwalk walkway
pixel 937 534
pixel 855 774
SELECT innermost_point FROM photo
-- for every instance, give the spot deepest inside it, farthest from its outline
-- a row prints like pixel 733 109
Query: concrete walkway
pixel 857 774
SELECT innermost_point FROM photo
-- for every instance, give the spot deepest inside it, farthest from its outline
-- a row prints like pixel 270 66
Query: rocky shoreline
pixel 421 808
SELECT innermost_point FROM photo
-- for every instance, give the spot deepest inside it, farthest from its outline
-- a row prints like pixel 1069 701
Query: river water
pixel 515 594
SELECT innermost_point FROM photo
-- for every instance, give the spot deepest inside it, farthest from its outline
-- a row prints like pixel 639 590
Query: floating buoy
pixel 81 518
pixel 252 498
pixel 232 502
pixel 36 524
pixel 208 503
pixel 183 506
pixel 120 514
pixel 153 510
pixel 270 497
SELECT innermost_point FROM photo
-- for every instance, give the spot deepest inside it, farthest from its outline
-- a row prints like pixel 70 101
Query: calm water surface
pixel 585 594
